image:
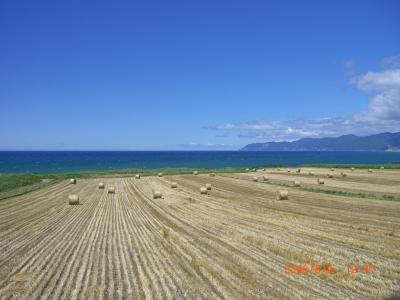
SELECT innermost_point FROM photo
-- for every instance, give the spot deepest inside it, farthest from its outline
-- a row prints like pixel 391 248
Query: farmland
pixel 336 240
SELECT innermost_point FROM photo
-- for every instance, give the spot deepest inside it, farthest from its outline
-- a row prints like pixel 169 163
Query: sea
pixel 71 161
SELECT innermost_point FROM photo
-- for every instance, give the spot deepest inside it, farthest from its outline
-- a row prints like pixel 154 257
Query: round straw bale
pixel 101 185
pixel 157 195
pixel 174 185
pixel 321 181
pixel 160 174
pixel 282 195
pixel 73 199
pixel 330 175
pixel 263 169
pixel 247 169
pixel 382 167
pixel 137 176
pixel 296 183
pixel 288 171
pixel 255 178
pixel 208 186
pixel 332 169
pixel 195 173
pixel 369 170
pixel 352 169
pixel 111 190
pixel 311 173
pixel 278 169
pixel 343 174
pixel 298 170
pixel 265 178
pixel 203 190
pixel 212 174
pixel 72 181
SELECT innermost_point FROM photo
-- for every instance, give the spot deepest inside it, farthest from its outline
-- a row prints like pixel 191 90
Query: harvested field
pixel 236 242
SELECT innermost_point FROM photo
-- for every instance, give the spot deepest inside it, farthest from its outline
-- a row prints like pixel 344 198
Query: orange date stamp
pixel 352 268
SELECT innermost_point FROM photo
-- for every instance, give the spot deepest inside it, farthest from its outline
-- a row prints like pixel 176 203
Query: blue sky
pixel 126 75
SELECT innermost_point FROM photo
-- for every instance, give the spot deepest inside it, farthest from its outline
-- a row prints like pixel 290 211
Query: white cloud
pixel 385 104
pixel 378 81
pixel 295 129
pixel 381 115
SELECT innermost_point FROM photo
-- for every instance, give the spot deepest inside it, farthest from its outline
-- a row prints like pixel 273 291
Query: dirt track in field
pixel 234 243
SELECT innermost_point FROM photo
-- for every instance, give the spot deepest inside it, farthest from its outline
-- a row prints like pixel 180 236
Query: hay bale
pixel 278 169
pixel 265 178
pixel 195 173
pixel 282 195
pixel 343 174
pixel 72 181
pixel 321 181
pixel 332 169
pixel 369 170
pixel 160 174
pixel 208 186
pixel 101 185
pixel 382 167
pixel 352 169
pixel 137 176
pixel 73 199
pixel 157 195
pixel 203 190
pixel 298 170
pixel 263 169
pixel 329 175
pixel 212 174
pixel 247 169
pixel 254 170
pixel 255 178
pixel 311 173
pixel 288 171
pixel 174 185
pixel 111 190
pixel 296 183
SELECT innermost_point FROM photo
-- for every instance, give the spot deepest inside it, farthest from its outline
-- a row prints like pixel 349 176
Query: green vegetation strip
pixel 357 166
pixel 341 193
pixel 336 193
pixel 18 180
pixel 20 183
pixel 24 189
pixel 352 194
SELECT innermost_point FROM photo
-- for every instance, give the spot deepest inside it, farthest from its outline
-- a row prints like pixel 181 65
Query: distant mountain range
pixel 379 142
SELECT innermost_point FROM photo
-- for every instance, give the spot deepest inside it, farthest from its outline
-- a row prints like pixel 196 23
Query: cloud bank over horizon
pixel 381 115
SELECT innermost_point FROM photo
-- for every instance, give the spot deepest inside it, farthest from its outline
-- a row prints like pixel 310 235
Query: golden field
pixel 236 242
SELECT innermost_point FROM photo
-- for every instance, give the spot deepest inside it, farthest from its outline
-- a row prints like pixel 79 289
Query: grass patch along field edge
pixel 14 184
pixel 357 166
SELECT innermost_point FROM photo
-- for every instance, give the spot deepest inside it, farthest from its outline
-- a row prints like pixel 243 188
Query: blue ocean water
pixel 60 161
